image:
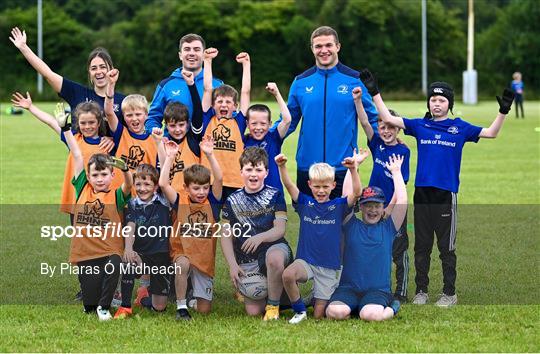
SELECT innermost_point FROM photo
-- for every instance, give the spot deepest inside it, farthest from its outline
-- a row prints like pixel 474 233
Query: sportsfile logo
pixel 136 155
pixel 221 135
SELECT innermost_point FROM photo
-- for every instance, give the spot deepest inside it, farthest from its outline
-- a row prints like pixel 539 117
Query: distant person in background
pixel 517 88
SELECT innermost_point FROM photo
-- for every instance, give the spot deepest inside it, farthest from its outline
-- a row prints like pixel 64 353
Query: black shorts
pixel 159 283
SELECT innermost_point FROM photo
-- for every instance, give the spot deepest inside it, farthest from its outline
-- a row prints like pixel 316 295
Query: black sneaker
pixel 401 298
pixel 183 315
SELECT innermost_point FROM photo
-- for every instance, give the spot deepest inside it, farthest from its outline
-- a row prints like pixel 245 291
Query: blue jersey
pixel 149 218
pixel 320 237
pixel 380 176
pixel 329 129
pixel 74 93
pixel 517 87
pixel 173 89
pixel 440 145
pixel 367 260
pixel 253 213
pixel 272 144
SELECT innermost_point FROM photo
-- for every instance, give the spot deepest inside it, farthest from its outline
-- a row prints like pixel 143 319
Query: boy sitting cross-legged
pixel 364 287
pixel 256 215
pixel 98 205
pixel 149 210
pixel 319 246
pixel 193 245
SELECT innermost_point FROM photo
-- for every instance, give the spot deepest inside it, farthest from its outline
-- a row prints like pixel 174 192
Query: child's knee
pixel 275 261
pixel 372 313
pixel 337 312
pixel 183 263
pixel 289 276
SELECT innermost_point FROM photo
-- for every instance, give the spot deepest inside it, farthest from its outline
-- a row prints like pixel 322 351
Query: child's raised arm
pixel 61 118
pixel 371 84
pixel 171 149
pixel 19 100
pixel 361 113
pixel 352 186
pixel 128 178
pixel 505 102
pixel 207 147
pixel 245 91
pixel 285 121
pixel 400 192
pixel 196 120
pixel 157 135
pixel 209 55
pixel 281 161
pixel 18 38
pixel 112 119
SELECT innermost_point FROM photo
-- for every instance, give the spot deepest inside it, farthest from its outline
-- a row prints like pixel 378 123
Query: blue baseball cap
pixel 372 194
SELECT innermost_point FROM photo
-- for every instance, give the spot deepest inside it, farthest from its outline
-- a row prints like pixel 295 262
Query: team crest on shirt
pixel 309 89
pixel 178 166
pixel 453 129
pixel 116 107
pixel 437 136
pixel 331 207
pixel 310 203
pixel 197 225
pixel 381 147
pixel 221 135
pixel 343 89
pixel 175 93
pixel 263 144
pixel 135 156
pixel 92 214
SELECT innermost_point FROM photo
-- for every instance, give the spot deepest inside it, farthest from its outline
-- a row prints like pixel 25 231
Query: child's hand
pixel 106 144
pixel 369 81
pixel 506 101
pixel 60 114
pixel 357 94
pixel 18 38
pixel 112 76
pixel 361 156
pixel 118 163
pixel 272 88
pixel 281 160
pixel 131 257
pixel 394 163
pixel 188 77
pixel 157 134
pixel 171 148
pixel 210 53
pixel 19 100
pixel 242 58
pixel 207 145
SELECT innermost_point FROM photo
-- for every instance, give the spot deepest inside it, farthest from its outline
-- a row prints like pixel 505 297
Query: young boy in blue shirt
pixel 319 246
pixel 365 282
pixel 440 142
pixel 383 143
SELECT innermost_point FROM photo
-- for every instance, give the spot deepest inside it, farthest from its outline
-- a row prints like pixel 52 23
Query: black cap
pixel 440 88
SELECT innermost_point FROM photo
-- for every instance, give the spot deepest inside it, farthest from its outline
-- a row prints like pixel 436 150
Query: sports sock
pixel 298 306
pixel 145 282
pixel 273 302
pixel 147 302
pixel 126 288
pixel 181 304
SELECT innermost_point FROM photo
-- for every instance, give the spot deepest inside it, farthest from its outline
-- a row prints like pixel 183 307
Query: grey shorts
pixel 203 285
pixel 325 280
pixel 254 266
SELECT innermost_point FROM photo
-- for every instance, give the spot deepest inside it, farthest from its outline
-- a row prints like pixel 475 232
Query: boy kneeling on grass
pixel 98 258
pixel 365 285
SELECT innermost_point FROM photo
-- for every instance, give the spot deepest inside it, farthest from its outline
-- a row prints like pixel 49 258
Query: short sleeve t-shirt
pixel 320 237
pixel 367 259
pixel 272 144
pixel 252 213
pixel 440 146
pixel 75 93
pixel 380 176
pixel 152 220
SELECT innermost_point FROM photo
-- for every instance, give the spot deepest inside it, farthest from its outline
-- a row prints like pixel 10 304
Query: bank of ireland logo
pixel 309 89
pixel 343 89
pixel 221 135
pixel 453 130
pixel 135 156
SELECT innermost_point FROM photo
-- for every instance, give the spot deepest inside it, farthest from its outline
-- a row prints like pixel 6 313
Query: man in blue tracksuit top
pixel 322 96
pixel 174 88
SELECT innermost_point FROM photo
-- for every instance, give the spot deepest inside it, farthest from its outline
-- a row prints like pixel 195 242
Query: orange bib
pixel 67 201
pixel 184 158
pixel 200 250
pixel 228 146
pixel 96 209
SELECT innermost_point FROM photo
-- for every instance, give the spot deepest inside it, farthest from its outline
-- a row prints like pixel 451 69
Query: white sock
pixel 181 304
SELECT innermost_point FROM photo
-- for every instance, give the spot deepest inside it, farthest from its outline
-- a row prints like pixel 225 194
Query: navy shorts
pixel 357 300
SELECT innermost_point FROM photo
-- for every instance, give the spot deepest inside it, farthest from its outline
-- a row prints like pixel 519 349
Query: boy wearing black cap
pixel 440 142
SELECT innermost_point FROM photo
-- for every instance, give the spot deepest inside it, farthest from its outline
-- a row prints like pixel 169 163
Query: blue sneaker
pixel 395 305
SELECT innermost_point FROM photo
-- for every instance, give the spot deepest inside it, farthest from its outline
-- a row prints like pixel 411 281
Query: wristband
pixel 110 97
pixel 66 127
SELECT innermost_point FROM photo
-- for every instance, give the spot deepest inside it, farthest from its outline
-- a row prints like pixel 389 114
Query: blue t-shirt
pixel 74 93
pixel 367 260
pixel 253 213
pixel 150 219
pixel 380 176
pixel 440 145
pixel 272 144
pixel 517 87
pixel 319 242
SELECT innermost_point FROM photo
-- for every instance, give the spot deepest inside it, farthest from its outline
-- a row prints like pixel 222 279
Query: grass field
pixel 498 261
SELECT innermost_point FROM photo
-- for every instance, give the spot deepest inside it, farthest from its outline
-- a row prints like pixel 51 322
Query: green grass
pixel 498 261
